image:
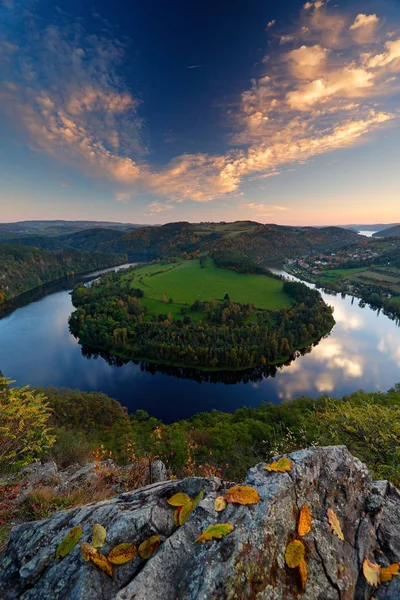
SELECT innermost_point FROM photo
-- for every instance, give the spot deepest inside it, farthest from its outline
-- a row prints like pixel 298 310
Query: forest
pixel 208 334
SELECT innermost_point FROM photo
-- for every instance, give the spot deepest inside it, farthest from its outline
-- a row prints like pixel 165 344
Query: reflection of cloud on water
pixel 348 319
pixel 389 344
pixel 334 356
pixel 325 383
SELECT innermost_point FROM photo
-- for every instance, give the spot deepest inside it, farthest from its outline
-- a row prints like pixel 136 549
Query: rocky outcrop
pixel 247 563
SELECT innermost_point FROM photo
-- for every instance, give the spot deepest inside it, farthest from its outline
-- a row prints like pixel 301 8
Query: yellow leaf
pixel 198 499
pixel 303 573
pixel 387 573
pixel 304 525
pixel 220 503
pixel 294 553
pixel 99 535
pixel 87 551
pixel 149 546
pixel 242 494
pixel 335 524
pixel 176 515
pixel 282 465
pixel 371 572
pixel 103 563
pixel 185 512
pixel 214 532
pixel 179 499
pixel 122 554
pixel 69 542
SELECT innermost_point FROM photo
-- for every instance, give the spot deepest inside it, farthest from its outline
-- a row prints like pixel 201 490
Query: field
pixel 187 281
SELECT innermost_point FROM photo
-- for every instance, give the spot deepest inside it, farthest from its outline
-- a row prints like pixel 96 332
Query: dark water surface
pixel 36 348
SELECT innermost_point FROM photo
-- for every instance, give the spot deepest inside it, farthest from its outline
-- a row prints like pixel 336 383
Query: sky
pixel 154 111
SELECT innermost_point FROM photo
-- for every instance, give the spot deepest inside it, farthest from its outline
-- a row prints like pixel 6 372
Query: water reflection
pixel 36 348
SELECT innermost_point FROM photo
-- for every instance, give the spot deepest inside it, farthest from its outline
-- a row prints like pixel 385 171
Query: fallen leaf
pixel 185 512
pixel 69 542
pixel 220 503
pixel 294 553
pixel 303 573
pixel 198 499
pixel 304 525
pixel 176 515
pixel 122 554
pixel 282 465
pixel 103 563
pixel 242 494
pixel 387 573
pixel 99 535
pixel 87 551
pixel 179 499
pixel 214 532
pixel 371 572
pixel 149 546
pixel 335 524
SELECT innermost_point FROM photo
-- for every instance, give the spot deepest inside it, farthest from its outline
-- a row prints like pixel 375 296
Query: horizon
pixel 139 114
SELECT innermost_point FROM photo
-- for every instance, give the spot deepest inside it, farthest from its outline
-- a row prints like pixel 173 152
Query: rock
pixel 39 473
pixel 158 471
pixel 247 563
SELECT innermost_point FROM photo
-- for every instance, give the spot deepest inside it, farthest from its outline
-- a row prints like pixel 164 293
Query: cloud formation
pixel 326 92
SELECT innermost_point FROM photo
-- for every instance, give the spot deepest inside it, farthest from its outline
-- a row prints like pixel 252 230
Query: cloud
pixel 157 207
pixel 390 56
pixel 271 24
pixel 195 66
pixel 307 61
pixel 364 28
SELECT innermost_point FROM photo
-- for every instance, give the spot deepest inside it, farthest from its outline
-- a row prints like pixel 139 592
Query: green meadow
pixel 187 281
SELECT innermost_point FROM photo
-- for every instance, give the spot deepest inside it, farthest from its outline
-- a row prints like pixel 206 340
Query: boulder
pixel 247 563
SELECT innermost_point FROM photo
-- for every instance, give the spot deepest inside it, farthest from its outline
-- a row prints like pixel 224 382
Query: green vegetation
pixel 24 268
pixel 193 314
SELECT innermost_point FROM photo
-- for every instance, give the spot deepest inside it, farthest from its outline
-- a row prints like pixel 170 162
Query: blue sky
pixel 148 112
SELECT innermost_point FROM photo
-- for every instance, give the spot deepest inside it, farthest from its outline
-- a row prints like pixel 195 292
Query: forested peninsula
pixel 241 320
pixel 24 268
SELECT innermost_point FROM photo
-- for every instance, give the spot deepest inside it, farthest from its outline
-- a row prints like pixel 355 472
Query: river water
pixel 36 348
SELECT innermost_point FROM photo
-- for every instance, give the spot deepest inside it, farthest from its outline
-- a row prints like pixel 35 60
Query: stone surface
pixel 248 563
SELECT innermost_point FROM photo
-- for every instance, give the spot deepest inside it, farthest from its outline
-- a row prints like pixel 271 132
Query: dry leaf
pixel 99 535
pixel 149 546
pixel 303 573
pixel 69 542
pixel 122 554
pixel 387 573
pixel 185 512
pixel 335 524
pixel 220 503
pixel 242 494
pixel 371 572
pixel 214 532
pixel 179 499
pixel 282 465
pixel 294 553
pixel 103 563
pixel 176 515
pixel 304 525
pixel 198 499
pixel 87 551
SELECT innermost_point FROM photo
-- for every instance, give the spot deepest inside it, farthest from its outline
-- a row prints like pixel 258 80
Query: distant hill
pixel 391 231
pixel 374 227
pixel 86 239
pixel 251 239
pixel 58 227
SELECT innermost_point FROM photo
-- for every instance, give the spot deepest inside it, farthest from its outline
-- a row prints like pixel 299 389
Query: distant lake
pixel 362 351
pixel 367 233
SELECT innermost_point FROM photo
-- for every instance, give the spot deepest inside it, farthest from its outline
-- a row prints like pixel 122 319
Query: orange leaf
pixel 303 573
pixel 220 503
pixel 387 573
pixel 335 524
pixel 294 554
pixel 282 465
pixel 103 563
pixel 217 532
pixel 371 572
pixel 242 494
pixel 87 551
pixel 179 499
pixel 149 546
pixel 304 525
pixel 122 554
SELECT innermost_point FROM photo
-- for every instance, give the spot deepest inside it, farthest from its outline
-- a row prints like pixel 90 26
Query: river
pixel 36 348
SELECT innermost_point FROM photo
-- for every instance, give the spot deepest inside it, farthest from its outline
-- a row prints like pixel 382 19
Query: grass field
pixel 186 282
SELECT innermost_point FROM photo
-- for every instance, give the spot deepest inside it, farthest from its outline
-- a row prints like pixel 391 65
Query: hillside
pixel 390 232
pixel 58 227
pixel 259 242
pixel 24 268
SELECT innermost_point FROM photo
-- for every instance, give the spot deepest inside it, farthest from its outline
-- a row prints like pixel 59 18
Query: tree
pixel 24 431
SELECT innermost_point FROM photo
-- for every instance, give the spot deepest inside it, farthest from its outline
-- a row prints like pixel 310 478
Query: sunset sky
pixel 153 111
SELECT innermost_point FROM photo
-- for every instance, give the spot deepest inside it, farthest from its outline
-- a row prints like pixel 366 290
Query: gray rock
pixel 158 471
pixel 247 563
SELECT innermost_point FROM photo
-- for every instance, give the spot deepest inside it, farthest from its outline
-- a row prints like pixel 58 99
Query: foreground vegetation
pixel 217 319
pixel 24 268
